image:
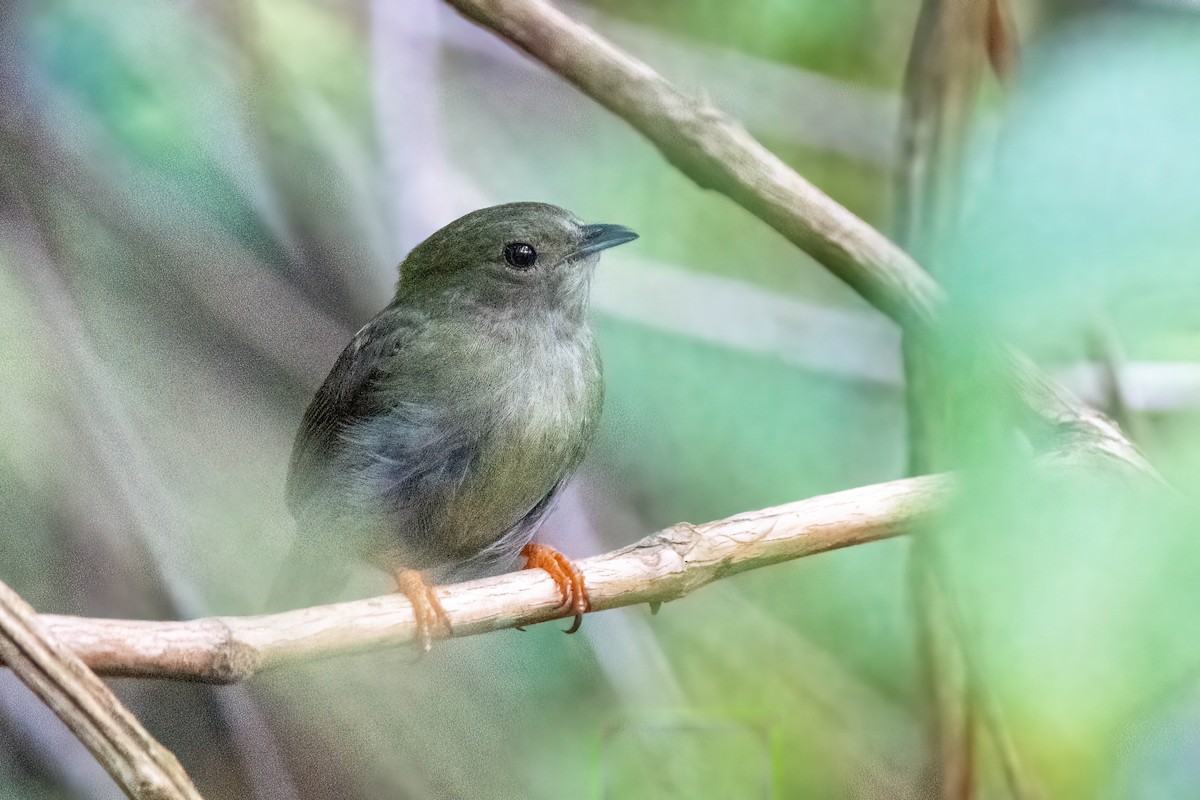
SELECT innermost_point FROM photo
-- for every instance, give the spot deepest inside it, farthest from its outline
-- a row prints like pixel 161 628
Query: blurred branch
pixel 1106 352
pixel 717 153
pixel 147 508
pixel 661 567
pixel 1145 387
pixel 853 344
pixel 424 187
pixel 144 769
pixel 953 44
pixel 1000 38
pixel 949 717
pixel 941 88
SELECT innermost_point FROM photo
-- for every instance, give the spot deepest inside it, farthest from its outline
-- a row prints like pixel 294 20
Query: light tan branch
pixel 143 768
pixel 718 153
pixel 662 567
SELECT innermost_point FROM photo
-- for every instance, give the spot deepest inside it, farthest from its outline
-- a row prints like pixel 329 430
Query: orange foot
pixel 565 574
pixel 426 606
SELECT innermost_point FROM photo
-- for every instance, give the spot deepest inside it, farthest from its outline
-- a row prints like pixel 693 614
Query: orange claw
pixel 426 606
pixel 568 577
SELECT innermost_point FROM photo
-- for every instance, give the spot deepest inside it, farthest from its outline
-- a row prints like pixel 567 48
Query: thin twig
pixel 663 566
pixel 143 768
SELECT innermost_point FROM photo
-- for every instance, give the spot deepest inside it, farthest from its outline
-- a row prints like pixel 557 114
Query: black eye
pixel 520 255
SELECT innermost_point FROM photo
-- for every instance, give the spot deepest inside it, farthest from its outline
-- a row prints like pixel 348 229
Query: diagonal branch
pixel 718 153
pixel 661 567
pixel 143 768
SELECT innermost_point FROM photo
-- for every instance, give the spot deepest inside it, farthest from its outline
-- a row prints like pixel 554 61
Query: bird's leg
pixel 564 572
pixel 426 607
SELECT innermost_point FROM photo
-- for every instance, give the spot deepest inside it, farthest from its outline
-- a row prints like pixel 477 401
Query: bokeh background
pixel 200 202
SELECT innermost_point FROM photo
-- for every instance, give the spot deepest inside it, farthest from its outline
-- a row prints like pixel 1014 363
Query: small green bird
pixel 453 419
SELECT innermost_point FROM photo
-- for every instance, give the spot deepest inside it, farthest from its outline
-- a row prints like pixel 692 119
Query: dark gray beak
pixel 602 237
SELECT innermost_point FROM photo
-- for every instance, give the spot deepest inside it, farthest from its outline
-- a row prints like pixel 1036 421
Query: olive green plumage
pixel 453 418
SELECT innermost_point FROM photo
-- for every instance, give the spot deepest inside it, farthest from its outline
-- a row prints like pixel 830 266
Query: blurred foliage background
pixel 200 202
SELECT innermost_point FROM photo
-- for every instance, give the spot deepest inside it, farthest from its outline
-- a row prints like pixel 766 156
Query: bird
pixel 452 420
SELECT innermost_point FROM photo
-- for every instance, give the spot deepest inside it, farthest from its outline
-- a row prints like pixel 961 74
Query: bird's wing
pixel 348 396
pixel 501 554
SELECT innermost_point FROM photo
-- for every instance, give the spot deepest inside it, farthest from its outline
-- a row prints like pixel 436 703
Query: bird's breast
pixel 535 418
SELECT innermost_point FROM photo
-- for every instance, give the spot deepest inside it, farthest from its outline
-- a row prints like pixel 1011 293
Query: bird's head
pixel 517 257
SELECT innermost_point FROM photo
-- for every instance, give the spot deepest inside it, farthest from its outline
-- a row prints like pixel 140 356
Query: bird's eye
pixel 520 255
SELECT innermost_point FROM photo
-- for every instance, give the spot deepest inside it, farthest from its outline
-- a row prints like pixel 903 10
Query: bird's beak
pixel 601 237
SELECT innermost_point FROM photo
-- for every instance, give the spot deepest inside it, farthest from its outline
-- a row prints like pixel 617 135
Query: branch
pixel 718 153
pixel 143 768
pixel 661 567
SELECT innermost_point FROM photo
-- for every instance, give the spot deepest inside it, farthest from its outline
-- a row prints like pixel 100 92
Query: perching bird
pixel 452 420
